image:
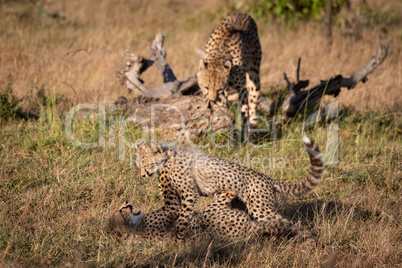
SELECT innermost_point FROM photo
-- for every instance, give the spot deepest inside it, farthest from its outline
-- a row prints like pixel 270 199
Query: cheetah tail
pixel 313 177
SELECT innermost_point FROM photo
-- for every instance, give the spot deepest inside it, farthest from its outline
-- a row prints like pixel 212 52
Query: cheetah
pixel 190 174
pixel 223 220
pixel 232 61
pixel 153 226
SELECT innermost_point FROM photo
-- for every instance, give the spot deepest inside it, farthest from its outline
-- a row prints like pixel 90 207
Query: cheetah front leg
pixel 188 202
pixel 253 89
pixel 244 111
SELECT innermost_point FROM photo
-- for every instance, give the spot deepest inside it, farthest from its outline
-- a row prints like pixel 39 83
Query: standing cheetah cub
pixel 190 174
pixel 232 61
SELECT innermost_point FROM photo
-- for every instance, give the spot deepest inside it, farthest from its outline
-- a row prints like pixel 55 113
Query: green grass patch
pixel 55 197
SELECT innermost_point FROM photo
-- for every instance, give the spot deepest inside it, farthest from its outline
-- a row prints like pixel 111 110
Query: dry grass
pixel 55 198
pixel 78 56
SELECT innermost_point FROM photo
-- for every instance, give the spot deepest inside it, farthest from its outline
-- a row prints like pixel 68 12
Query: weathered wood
pixel 200 52
pixel 157 53
pixel 137 64
pixel 361 75
pixel 189 83
pixel 298 100
pixel 180 118
pixel 130 75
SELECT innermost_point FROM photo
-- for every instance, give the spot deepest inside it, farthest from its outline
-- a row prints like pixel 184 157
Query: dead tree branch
pixel 130 75
pixel 170 92
pixel 298 100
pixel 361 75
pixel 137 64
pixel 157 53
pixel 180 118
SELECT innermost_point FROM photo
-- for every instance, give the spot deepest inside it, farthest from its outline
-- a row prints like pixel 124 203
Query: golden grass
pixel 78 56
pixel 55 198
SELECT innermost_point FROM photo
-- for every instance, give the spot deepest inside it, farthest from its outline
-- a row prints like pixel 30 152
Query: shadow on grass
pixel 203 252
pixel 307 212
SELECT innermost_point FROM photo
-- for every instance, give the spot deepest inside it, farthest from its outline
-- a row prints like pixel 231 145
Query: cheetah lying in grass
pixel 186 175
pixel 223 220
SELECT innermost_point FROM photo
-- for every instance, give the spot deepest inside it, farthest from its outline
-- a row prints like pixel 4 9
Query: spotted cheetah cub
pixel 224 220
pixel 154 226
pixel 190 174
pixel 232 61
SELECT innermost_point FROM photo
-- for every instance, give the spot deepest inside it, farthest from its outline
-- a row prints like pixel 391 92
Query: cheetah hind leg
pixel 280 225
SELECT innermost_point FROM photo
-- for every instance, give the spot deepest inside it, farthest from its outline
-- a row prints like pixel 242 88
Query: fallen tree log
pixel 180 118
pixel 298 100
pixel 177 114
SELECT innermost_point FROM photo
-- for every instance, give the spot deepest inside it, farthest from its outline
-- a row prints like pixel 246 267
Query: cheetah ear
pixel 138 143
pixel 203 65
pixel 228 65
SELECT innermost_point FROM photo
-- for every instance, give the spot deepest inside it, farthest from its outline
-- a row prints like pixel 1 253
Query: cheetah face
pixel 126 211
pixel 213 79
pixel 150 157
pixel 147 166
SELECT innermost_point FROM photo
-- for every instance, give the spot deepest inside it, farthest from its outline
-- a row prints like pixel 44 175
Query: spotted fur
pixel 232 61
pixel 224 219
pixel 189 174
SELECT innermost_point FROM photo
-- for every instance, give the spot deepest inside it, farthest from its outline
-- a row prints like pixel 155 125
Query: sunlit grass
pixel 55 197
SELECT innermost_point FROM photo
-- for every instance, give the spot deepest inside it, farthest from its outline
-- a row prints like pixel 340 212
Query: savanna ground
pixel 55 198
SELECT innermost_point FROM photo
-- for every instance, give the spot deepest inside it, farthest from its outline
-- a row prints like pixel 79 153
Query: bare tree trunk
pixel 157 53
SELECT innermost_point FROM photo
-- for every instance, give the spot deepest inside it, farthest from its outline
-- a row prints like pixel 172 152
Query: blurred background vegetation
pixel 74 48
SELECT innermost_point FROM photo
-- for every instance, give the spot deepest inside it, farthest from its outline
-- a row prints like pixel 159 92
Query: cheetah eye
pixel 148 166
pixel 129 206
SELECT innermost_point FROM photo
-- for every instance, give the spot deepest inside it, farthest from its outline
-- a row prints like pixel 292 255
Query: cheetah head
pixel 130 218
pixel 150 157
pixel 124 221
pixel 213 78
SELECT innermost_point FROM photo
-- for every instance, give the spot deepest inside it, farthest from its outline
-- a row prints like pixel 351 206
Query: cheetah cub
pixel 223 220
pixel 190 174
pixel 154 226
pixel 151 227
pixel 232 61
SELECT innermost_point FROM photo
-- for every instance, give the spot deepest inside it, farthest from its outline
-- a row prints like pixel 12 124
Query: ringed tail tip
pixel 307 140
